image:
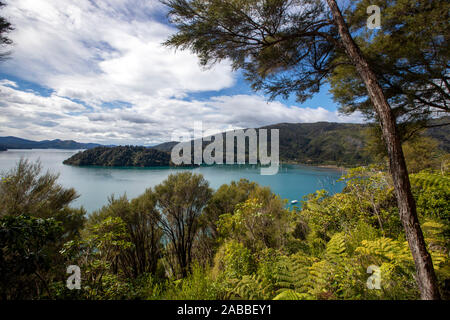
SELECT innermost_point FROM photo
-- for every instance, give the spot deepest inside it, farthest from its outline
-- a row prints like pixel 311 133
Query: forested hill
pixel 18 143
pixel 321 143
pixel 441 132
pixel 315 143
pixel 123 156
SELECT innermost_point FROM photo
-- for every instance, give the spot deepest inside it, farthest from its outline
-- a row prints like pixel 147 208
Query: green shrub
pixel 198 285
pixel 233 261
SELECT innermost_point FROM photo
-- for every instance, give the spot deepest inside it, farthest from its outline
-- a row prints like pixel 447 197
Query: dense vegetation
pixel 321 143
pixel 440 130
pixel 182 240
pixel 18 143
pixel 123 156
pixel 396 74
pixel 36 221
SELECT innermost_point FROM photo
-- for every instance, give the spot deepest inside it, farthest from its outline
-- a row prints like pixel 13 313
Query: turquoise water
pixel 95 184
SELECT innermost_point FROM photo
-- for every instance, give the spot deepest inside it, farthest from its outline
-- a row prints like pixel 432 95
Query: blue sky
pixel 95 71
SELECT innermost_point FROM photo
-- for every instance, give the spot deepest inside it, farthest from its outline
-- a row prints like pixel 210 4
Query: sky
pixel 95 71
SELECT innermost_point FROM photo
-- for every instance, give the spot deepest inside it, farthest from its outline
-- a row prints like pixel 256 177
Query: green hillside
pixel 124 156
pixel 321 143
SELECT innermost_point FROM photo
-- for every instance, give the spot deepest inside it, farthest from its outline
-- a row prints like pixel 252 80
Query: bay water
pixel 96 184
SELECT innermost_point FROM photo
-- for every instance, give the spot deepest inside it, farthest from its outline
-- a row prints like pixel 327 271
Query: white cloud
pixel 29 115
pixel 8 83
pixel 101 53
pixel 97 52
pixel 254 111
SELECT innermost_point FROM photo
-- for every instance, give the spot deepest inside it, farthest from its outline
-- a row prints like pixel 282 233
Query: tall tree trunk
pixel 426 278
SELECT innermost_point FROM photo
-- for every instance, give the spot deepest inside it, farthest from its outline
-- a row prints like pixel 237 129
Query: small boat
pixel 294 201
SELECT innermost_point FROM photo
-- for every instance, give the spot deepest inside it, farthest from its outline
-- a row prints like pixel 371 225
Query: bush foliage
pixel 181 240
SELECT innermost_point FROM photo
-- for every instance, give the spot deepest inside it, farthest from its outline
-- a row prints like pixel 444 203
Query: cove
pixel 96 184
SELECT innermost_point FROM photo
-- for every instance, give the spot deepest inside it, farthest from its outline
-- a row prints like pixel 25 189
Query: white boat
pixel 294 201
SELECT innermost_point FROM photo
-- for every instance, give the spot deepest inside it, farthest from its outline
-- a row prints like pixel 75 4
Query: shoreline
pixel 288 162
pixel 323 166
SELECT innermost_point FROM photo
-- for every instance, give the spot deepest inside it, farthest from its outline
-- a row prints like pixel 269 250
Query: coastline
pixel 325 166
pixel 282 162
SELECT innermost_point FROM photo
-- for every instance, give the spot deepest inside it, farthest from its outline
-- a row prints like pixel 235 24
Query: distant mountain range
pixel 321 143
pixel 18 143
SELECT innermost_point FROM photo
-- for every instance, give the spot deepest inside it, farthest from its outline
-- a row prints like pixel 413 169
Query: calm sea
pixel 95 184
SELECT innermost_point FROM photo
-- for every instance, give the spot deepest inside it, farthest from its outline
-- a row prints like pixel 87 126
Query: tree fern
pixel 386 249
pixel 336 247
pixel 251 287
pixel 305 277
pixel 426 180
pixel 293 295
pixel 293 274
